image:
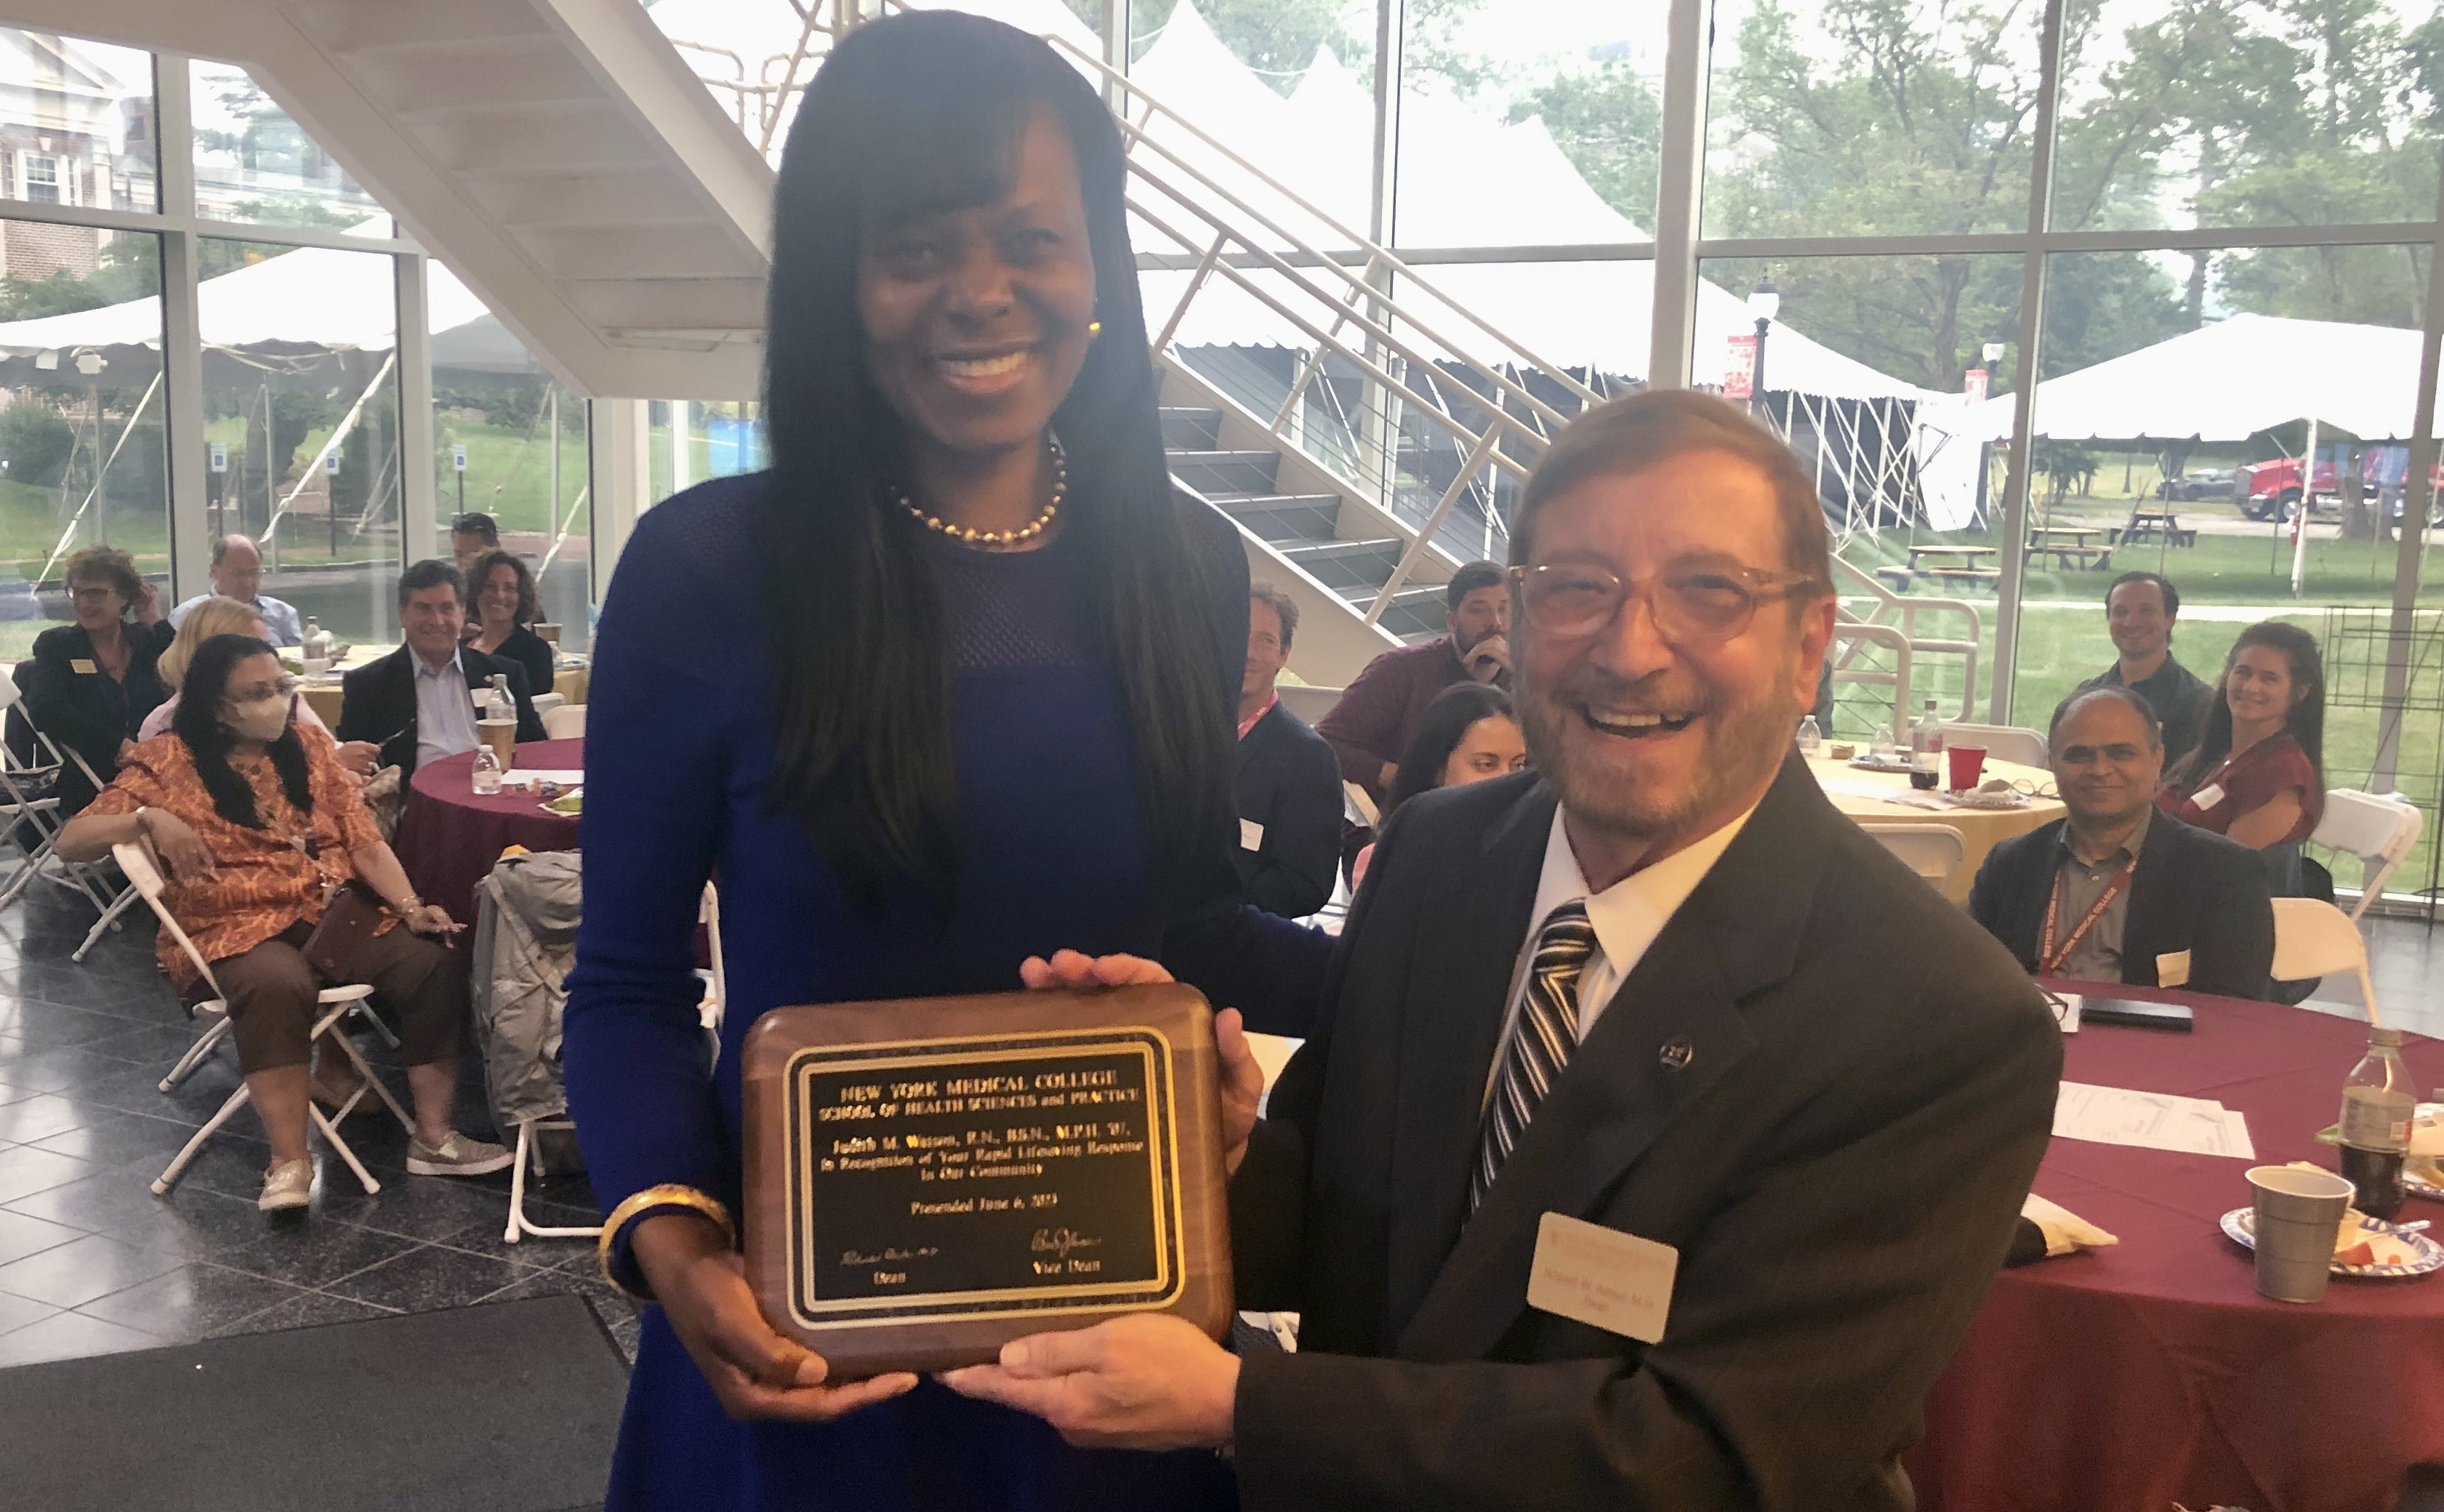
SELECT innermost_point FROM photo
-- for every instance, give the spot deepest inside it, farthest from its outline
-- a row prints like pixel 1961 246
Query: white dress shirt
pixel 1628 916
pixel 445 713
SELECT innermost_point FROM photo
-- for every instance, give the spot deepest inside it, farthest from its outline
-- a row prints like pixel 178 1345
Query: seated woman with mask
pixel 257 824
pixel 226 617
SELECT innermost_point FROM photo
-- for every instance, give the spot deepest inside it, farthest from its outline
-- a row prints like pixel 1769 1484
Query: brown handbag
pixel 353 917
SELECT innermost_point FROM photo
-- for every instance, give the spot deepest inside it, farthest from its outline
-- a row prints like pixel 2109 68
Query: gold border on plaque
pixel 880 1056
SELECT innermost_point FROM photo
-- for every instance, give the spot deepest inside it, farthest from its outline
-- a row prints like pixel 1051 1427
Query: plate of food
pixel 1870 762
pixel 2364 1247
pixel 570 804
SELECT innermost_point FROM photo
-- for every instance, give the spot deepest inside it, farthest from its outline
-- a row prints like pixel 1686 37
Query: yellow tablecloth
pixel 569 682
pixel 1858 793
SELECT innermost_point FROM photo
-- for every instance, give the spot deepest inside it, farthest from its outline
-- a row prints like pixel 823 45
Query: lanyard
pixel 2049 959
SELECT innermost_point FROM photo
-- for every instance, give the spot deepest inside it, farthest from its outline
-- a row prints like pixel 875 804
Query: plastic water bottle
pixel 488 773
pixel 2378 1106
pixel 1926 740
pixel 1812 740
pixel 497 702
pixel 316 650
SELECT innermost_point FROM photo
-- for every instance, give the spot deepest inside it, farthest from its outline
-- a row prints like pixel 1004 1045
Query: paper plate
pixel 2239 1224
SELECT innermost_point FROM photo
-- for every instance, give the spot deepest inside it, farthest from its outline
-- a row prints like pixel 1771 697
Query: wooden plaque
pixel 931 1178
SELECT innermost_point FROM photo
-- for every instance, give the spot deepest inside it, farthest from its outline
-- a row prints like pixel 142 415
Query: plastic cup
pixel 502 735
pixel 2297 1214
pixel 1968 766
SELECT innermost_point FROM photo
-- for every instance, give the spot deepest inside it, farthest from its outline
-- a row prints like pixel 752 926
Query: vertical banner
pixel 1972 383
pixel 1740 367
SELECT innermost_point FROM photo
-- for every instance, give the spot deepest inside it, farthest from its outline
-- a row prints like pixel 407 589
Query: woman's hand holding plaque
pixel 701 1284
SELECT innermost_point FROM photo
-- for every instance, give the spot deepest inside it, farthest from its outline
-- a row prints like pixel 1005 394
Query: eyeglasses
pixel 255 693
pixel 1687 605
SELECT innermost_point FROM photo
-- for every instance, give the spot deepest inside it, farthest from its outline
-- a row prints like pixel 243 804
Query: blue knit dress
pixel 679 742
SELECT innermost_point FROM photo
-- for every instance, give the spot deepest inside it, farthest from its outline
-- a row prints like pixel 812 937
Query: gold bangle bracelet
pixel 669 1196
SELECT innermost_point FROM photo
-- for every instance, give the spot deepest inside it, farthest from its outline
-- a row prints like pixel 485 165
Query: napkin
pixel 2062 1230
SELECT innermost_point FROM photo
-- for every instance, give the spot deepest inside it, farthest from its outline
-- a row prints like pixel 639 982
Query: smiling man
pixel 2116 891
pixel 2139 611
pixel 1709 1122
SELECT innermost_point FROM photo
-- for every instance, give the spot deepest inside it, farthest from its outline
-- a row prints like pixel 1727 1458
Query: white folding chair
pixel 2004 743
pixel 530 1152
pixel 337 1003
pixel 2312 938
pixel 28 792
pixel 568 722
pixel 2380 831
pixel 1933 851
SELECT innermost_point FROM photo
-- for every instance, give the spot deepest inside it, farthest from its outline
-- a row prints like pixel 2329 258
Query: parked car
pixel 2213 483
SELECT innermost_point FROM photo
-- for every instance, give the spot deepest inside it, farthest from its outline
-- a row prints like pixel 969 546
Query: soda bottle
pixel 2376 1109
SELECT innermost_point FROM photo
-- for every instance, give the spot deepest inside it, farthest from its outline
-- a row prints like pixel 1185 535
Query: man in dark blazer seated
pixel 1289 783
pixel 2116 891
pixel 419 701
pixel 1661 1132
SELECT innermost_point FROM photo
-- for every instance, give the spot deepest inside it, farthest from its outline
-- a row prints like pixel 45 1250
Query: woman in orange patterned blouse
pixel 256 822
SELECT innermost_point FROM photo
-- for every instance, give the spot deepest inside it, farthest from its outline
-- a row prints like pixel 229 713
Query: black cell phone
pixel 2136 1015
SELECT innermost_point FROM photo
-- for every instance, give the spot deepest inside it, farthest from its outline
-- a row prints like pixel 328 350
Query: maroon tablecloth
pixel 2150 1372
pixel 449 838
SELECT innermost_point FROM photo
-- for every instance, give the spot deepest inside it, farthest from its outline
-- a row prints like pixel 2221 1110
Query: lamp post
pixel 1763 301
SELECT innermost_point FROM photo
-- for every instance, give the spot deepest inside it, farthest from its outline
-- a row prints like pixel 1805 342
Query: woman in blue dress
pixel 986 716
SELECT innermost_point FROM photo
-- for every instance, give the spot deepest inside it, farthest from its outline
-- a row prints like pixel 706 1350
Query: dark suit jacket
pixel 1289 781
pixel 378 702
pixel 1866 1085
pixel 77 708
pixel 2193 892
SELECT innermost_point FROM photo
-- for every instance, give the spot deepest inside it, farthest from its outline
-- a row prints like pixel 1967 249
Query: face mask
pixel 262 719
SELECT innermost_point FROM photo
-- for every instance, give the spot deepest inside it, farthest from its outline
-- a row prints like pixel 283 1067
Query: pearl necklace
pixel 1001 539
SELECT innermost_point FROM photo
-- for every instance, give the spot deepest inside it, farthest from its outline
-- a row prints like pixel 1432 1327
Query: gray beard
pixel 1745 746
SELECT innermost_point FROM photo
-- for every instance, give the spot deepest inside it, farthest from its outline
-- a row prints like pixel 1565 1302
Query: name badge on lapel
pixel 1252 835
pixel 82 666
pixel 1601 1277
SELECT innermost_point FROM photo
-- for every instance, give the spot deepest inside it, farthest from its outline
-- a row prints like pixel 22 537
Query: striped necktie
pixel 1541 1041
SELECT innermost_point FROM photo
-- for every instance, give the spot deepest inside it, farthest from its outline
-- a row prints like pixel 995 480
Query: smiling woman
pixel 985 714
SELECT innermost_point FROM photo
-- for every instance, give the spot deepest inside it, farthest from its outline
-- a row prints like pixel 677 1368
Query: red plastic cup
pixel 1968 766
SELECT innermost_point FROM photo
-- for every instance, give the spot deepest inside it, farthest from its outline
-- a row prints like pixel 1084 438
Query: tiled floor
pixel 91 1261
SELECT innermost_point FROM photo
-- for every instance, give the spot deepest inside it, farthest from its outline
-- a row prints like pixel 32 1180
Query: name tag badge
pixel 2206 796
pixel 2173 968
pixel 1252 835
pixel 1601 1277
pixel 80 665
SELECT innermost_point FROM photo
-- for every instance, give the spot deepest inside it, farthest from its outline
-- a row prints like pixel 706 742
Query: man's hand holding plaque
pixel 1243 1079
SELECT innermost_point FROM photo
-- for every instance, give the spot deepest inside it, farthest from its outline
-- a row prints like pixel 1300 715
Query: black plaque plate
pixel 916 1200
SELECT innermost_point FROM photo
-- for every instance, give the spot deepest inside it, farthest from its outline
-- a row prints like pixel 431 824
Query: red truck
pixel 2264 489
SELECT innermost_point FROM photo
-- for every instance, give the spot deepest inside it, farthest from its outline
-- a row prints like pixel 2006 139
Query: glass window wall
pixel 76 126
pixel 255 164
pixel 81 414
pixel 301 423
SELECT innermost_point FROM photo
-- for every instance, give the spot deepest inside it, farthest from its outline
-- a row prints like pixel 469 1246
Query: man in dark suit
pixel 1288 783
pixel 2116 891
pixel 419 701
pixel 1661 1133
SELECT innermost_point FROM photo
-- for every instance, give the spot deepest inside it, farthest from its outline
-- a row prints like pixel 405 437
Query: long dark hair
pixel 197 722
pixel 913 114
pixel 1452 713
pixel 2305 723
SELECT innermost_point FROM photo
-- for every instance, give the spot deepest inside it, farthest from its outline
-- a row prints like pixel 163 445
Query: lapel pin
pixel 1676 1053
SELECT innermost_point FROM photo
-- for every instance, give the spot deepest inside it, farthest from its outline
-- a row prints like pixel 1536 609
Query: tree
pixel 1610 126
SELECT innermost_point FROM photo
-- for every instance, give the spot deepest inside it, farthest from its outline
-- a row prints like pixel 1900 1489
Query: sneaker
pixel 288 1184
pixel 457 1156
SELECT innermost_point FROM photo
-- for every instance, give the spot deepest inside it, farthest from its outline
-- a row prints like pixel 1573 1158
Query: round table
pixel 449 837
pixel 2150 1372
pixel 1886 798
